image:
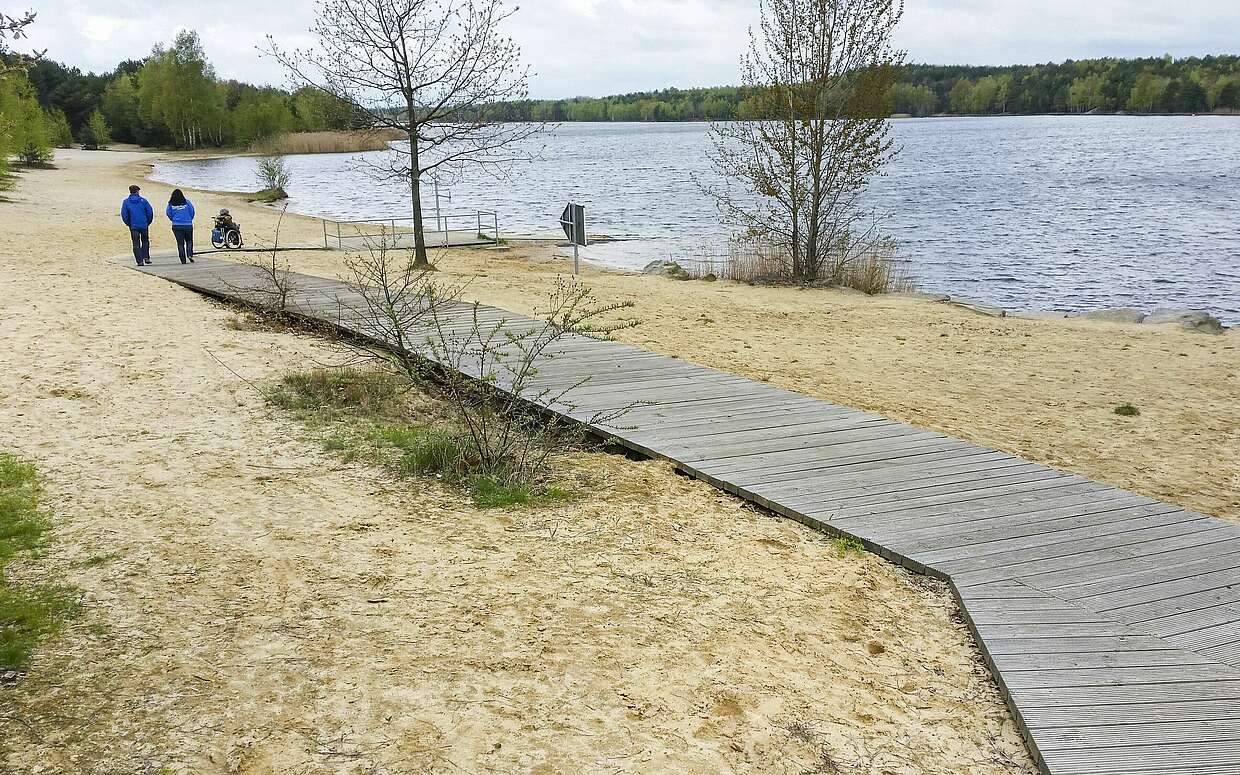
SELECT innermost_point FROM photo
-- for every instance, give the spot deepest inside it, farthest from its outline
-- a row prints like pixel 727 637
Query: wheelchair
pixel 227 232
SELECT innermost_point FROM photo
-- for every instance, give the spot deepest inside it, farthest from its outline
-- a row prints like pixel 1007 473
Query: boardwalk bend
pixel 1110 621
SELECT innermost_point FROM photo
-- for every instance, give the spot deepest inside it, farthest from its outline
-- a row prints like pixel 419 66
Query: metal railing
pixel 451 229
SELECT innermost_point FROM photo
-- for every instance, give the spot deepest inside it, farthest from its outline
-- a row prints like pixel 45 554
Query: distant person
pixel 181 212
pixel 137 214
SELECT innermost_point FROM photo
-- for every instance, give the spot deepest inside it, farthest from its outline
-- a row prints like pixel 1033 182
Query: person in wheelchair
pixel 227 232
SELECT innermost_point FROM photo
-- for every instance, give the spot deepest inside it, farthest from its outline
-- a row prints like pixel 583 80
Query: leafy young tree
pixel 261 118
pixel 1147 92
pixel 96 135
pixel 961 98
pixel 23 123
pixel 59 129
pixel 429 69
pixel 120 106
pixel 1087 93
pixel 821 72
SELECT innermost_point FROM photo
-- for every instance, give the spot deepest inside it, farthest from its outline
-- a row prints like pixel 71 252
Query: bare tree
pixel 275 284
pixel 793 173
pixel 396 301
pixel 428 68
pixel 491 370
pixel 14 28
pixel 496 370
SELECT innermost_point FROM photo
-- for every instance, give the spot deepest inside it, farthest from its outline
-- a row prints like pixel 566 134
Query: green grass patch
pixel 28 612
pixel 493 493
pixel 332 394
pixel 99 560
pixel 267 196
pixel 846 546
pixel 1127 410
pixel 369 420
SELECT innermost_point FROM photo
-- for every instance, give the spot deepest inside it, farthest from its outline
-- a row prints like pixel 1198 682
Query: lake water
pixel 1048 212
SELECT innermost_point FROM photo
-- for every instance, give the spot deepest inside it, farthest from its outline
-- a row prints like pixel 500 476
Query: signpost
pixel 574 222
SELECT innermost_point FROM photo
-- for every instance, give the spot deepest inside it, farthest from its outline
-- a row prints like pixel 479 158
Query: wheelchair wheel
pixel 217 240
pixel 233 239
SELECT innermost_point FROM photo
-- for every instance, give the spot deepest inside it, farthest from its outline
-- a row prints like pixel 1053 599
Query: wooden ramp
pixel 1111 621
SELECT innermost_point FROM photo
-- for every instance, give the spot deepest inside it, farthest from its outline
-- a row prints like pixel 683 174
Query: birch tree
pixel 821 72
pixel 429 69
pixel 178 91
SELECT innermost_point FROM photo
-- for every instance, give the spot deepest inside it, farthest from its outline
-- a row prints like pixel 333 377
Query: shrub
pixel 1127 410
pixel 273 174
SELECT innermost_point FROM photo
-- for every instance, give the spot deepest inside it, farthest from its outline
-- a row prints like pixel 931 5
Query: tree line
pixel 171 98
pixel 1154 85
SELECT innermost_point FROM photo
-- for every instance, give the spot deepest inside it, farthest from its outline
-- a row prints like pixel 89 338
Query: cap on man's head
pixel 134 189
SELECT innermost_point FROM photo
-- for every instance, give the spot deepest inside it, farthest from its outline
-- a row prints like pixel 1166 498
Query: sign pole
pixel 574 222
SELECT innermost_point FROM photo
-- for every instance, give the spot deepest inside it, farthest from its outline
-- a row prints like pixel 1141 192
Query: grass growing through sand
pixel 846 546
pixel 1127 410
pixel 372 417
pixel 28 612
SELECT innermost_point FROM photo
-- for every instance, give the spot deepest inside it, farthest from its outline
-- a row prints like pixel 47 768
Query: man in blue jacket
pixel 137 214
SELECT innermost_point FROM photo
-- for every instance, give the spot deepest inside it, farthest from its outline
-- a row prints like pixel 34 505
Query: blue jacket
pixel 136 212
pixel 181 215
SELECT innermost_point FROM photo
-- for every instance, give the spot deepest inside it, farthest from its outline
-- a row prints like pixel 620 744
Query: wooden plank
pixel 1146 577
pixel 1138 734
pixel 1094 660
pixel 1058 535
pixel 1160 758
pixel 1098 561
pixel 1110 676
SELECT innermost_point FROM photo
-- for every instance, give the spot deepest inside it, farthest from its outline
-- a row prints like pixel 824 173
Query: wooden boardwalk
pixel 1110 621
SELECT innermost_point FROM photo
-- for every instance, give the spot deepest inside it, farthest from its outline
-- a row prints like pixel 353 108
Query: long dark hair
pixel 178 198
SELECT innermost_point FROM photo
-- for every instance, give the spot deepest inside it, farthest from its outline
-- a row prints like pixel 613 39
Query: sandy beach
pixel 252 605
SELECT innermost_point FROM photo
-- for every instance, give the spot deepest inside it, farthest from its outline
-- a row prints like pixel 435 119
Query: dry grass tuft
pixel 875 271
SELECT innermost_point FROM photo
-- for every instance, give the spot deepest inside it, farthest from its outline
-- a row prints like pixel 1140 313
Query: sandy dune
pixel 254 607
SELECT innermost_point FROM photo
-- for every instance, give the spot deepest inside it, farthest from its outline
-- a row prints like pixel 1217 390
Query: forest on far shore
pixel 173 98
pixel 1154 85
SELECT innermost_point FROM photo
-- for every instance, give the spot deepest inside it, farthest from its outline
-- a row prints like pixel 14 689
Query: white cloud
pixel 610 46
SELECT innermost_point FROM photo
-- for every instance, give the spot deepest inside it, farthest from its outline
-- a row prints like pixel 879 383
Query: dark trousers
pixel 185 241
pixel 141 244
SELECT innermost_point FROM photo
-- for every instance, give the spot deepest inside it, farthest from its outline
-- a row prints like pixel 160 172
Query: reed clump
pixel 355 141
pixel 875 270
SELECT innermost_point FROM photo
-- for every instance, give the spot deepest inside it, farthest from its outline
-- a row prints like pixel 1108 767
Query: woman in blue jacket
pixel 181 212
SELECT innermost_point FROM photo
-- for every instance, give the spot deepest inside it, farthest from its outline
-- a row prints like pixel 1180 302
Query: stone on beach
pixel 1188 319
pixel 982 308
pixel 923 296
pixel 664 268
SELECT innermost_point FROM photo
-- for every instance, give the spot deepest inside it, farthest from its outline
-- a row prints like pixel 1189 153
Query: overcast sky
pixel 599 47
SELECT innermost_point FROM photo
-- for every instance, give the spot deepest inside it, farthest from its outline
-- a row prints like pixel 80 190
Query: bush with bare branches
pixel 491 370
